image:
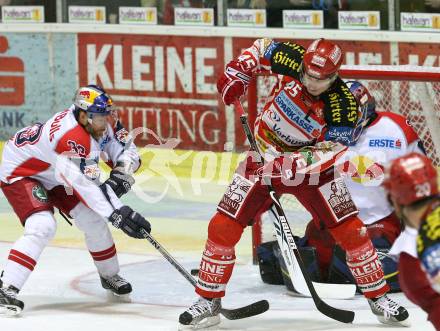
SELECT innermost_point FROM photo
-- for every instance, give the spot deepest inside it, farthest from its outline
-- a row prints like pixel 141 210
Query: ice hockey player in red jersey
pixel 55 164
pixel 412 184
pixel 380 138
pixel 308 98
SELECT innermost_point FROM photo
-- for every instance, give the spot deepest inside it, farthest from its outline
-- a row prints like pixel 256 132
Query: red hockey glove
pixel 233 83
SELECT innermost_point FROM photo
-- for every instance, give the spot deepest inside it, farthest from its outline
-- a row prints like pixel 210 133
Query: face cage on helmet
pixel 360 124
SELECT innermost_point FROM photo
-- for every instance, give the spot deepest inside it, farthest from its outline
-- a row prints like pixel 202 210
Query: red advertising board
pixel 163 83
pixel 11 77
pixel 167 83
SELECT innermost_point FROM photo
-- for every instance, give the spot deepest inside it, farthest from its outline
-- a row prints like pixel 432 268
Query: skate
pixel 117 285
pixel 202 314
pixel 9 304
pixel 389 312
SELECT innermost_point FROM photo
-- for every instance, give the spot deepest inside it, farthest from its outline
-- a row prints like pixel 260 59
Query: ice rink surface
pixel 64 292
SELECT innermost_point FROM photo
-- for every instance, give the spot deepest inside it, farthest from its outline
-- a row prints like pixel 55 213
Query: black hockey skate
pixel 202 314
pixel 389 312
pixel 9 304
pixel 117 285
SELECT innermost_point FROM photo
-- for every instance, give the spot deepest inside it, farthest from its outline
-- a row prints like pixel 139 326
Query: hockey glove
pixel 120 182
pixel 233 83
pixel 130 222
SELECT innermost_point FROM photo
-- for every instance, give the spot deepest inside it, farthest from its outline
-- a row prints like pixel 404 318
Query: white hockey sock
pixel 39 230
pixel 98 239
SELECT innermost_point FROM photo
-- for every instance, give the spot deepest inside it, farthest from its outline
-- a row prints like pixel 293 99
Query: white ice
pixel 64 294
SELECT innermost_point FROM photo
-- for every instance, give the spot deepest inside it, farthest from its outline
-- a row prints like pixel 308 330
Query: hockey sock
pixel 362 258
pixel 98 239
pixel 218 258
pixel 39 230
pixel 102 249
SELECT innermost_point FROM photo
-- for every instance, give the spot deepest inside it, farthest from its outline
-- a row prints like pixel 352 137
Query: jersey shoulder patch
pixel 404 124
pixel 76 140
pixel 286 58
pixel 340 107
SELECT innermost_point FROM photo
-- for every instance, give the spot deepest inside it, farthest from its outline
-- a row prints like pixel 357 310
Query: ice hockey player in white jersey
pixel 55 164
pixel 379 138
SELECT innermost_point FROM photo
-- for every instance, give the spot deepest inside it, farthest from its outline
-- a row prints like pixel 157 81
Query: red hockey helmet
pixel 411 178
pixel 322 59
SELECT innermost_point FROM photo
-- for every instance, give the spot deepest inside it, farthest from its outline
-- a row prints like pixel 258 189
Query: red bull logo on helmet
pixel 85 94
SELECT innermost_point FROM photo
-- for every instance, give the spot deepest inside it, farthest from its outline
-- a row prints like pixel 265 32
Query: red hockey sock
pixel 218 257
pixel 366 269
pixel 362 259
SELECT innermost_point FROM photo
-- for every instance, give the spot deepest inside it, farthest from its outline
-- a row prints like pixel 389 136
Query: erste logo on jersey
pixel 385 143
pixel 297 115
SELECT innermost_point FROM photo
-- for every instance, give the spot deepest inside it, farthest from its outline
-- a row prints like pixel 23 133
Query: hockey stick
pixel 285 237
pixel 324 290
pixel 253 309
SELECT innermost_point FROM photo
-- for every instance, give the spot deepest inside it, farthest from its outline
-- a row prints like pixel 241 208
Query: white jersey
pixel 387 138
pixel 405 242
pixel 62 152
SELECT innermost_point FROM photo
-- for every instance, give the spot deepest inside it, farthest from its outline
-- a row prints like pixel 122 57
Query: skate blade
pixel 207 322
pixel 9 310
pixel 405 323
pixel 121 298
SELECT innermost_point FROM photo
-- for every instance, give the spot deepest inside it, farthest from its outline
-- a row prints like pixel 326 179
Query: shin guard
pixel 215 270
pixel 362 258
pixel 218 257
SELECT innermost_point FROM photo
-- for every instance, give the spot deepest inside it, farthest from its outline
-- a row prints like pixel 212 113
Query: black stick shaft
pixel 169 258
pixel 253 309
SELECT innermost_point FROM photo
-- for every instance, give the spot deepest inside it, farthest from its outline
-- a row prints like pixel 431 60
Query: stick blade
pixel 253 309
pixel 341 315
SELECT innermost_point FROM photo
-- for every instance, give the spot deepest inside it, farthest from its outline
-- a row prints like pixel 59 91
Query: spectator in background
pixel 405 6
pixel 433 4
pixel 165 8
pixel 329 7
